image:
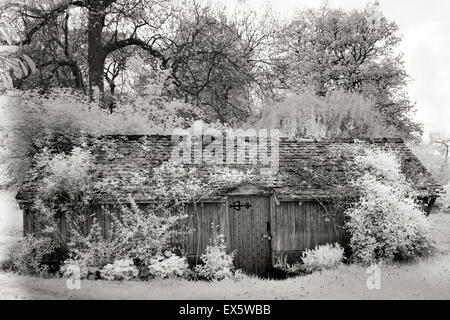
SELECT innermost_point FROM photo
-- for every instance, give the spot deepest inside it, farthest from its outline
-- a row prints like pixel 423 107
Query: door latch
pixel 267 236
pixel 237 206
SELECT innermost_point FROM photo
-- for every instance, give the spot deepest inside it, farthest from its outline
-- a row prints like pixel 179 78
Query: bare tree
pixel 217 61
pixel 442 139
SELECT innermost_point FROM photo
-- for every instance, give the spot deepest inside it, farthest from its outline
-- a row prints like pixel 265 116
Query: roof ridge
pixel 283 138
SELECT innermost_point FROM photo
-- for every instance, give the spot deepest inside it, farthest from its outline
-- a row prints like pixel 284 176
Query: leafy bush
pixel 386 223
pixel 66 188
pixel 139 234
pixel 323 257
pixel 30 118
pixel 217 263
pixel 7 265
pixel 30 258
pixel 142 235
pixel 120 270
pixel 339 114
pixel 93 252
pixel 168 266
pixel 13 59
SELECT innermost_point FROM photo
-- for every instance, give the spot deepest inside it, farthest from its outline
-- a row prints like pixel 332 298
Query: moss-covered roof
pixel 303 165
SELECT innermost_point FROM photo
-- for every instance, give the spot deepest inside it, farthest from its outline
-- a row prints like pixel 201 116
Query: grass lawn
pixel 427 279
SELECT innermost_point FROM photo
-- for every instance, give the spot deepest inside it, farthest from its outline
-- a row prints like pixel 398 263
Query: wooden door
pixel 250 233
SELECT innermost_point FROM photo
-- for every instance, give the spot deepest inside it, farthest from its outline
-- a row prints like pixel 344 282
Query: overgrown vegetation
pixel 139 238
pixel 30 257
pixel 325 257
pixel 217 264
pixel 166 66
pixel 337 115
pixel 387 223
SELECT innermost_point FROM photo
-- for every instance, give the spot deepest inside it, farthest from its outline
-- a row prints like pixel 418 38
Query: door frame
pixel 269 197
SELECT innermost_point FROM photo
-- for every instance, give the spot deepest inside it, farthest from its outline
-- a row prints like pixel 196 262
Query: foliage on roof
pixel 308 169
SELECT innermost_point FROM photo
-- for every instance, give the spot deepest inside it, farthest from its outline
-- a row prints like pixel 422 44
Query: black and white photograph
pixel 215 150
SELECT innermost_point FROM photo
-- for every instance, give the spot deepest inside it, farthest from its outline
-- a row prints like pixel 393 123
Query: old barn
pixel 266 221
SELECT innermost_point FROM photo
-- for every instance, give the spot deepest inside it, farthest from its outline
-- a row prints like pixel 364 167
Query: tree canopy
pixel 327 49
pixel 230 64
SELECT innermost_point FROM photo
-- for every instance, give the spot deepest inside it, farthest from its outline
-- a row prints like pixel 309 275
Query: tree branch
pixel 48 17
pixel 111 47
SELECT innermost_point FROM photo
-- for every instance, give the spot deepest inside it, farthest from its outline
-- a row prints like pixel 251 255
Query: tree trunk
pixel 96 55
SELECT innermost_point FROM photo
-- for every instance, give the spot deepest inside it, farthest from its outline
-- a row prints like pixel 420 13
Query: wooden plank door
pixel 250 233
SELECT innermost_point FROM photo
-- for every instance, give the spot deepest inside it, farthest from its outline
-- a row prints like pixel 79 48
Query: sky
pixel 425 27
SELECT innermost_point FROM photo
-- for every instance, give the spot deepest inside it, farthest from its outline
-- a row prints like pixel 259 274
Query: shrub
pixel 119 270
pixel 68 188
pixel 386 223
pixel 168 266
pixel 93 250
pixel 143 235
pixel 339 114
pixel 323 257
pixel 28 119
pixel 30 258
pixel 139 234
pixel 217 263
pixel 6 265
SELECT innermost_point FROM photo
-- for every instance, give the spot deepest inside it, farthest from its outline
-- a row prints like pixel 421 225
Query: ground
pixel 428 279
pixel 425 279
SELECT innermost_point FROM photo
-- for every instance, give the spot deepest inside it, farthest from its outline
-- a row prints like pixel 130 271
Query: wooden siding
pixel 243 231
pixel 268 233
pixel 202 218
pixel 297 226
pixel 32 226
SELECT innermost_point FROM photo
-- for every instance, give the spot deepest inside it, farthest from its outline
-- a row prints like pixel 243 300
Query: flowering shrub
pixel 29 259
pixel 68 188
pixel 143 235
pixel 168 265
pixel 119 270
pixel 385 166
pixel 323 257
pixel 65 189
pixel 386 223
pixel 93 250
pixel 217 263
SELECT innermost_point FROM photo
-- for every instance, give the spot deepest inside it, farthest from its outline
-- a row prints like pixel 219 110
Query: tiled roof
pixel 301 162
